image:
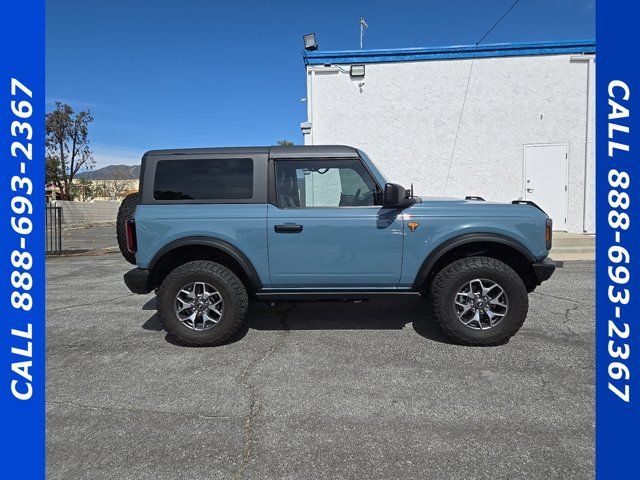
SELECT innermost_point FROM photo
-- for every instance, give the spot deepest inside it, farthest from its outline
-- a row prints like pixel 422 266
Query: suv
pixel 211 228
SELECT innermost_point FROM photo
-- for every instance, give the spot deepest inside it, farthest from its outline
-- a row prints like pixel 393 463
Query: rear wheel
pixel 479 301
pixel 126 212
pixel 202 303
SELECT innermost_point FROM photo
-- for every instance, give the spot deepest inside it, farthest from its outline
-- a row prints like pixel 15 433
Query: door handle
pixel 288 228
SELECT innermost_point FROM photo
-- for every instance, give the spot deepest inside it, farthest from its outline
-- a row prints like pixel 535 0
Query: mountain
pixel 112 172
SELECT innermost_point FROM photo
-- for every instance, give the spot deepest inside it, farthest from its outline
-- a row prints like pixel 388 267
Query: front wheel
pixel 479 301
pixel 202 303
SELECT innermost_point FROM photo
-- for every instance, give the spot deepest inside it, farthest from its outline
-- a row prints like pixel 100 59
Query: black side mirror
pixel 394 196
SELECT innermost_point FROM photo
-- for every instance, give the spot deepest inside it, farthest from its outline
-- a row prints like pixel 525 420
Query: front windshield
pixel 381 176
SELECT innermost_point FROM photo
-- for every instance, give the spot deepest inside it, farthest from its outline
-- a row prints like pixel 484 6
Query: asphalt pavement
pixel 100 237
pixel 321 390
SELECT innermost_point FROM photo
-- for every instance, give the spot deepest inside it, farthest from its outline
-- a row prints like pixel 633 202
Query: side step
pixel 332 295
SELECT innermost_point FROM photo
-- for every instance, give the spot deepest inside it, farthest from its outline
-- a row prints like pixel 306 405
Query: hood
pixel 465 207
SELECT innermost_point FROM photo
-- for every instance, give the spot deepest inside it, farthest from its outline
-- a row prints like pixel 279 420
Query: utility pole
pixel 363 25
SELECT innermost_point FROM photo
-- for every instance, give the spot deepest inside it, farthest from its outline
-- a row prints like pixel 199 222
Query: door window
pixel 325 183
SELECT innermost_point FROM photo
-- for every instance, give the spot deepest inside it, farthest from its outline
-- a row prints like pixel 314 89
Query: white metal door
pixel 545 180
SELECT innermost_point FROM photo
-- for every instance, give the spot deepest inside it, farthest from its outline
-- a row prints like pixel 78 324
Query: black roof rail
pixel 528 202
pixel 474 197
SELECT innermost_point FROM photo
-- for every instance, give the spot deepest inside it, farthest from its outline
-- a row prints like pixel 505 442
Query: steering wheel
pixel 356 197
pixel 367 198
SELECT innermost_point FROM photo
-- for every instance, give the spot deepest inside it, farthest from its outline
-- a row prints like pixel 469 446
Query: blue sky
pixel 194 73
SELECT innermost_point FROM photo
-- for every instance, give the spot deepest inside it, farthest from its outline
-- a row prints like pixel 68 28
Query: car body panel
pixel 241 225
pixel 337 247
pixel 442 219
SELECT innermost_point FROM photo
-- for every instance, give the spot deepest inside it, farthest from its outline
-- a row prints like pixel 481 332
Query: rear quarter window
pixel 204 179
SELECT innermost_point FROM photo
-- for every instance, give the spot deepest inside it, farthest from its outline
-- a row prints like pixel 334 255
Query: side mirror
pixel 394 196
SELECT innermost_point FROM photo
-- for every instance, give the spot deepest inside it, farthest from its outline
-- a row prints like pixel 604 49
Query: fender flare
pixel 215 243
pixel 466 239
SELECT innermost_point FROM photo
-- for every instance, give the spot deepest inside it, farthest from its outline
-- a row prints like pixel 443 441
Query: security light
pixel 357 71
pixel 310 41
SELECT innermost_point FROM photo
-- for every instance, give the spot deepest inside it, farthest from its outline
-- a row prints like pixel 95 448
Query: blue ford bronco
pixel 212 228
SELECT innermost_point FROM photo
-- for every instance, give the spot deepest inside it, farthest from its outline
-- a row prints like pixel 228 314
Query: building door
pixel 545 180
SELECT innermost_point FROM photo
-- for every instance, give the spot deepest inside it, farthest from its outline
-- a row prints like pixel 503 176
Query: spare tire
pixel 125 213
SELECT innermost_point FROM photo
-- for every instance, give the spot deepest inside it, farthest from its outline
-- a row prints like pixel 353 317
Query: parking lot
pixel 314 390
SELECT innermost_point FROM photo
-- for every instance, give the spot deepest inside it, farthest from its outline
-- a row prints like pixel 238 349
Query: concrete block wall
pixel 82 213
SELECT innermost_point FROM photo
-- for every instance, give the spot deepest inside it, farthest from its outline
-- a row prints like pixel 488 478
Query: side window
pixel 324 183
pixel 207 179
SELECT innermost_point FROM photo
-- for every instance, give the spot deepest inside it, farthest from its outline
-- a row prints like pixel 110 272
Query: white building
pixel 504 122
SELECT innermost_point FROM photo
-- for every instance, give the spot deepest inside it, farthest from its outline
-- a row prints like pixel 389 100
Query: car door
pixel 327 229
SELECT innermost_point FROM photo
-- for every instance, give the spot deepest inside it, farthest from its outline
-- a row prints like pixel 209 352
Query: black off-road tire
pixel 234 297
pixel 452 277
pixel 125 213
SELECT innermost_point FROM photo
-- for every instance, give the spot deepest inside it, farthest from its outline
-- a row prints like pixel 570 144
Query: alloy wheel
pixel 199 306
pixel 481 304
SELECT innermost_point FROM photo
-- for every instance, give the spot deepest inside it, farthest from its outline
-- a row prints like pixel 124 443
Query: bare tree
pixel 83 190
pixel 113 188
pixel 67 146
pixel 285 143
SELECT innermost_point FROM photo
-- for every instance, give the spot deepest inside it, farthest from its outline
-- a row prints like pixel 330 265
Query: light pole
pixel 363 25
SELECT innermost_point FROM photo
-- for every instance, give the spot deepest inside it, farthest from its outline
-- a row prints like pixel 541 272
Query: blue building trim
pixel 448 53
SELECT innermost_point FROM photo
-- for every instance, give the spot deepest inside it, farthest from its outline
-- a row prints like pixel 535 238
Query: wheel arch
pixel 187 249
pixel 501 247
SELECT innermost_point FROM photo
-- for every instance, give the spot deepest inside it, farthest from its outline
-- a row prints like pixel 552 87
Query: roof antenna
pixel 363 25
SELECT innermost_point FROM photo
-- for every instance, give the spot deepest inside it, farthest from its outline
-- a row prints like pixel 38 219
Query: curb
pixel 87 253
pixel 84 226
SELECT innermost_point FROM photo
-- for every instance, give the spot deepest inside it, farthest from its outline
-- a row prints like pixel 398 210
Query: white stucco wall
pixel 405 117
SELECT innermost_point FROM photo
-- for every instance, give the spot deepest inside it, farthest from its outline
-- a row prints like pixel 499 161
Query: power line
pixel 455 140
pixel 496 24
pixel 466 92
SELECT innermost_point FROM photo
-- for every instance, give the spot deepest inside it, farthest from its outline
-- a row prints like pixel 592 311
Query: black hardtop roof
pixel 296 151
pixel 313 151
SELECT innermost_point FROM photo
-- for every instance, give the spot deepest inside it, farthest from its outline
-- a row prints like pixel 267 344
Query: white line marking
pixel 23 243
pixel 22 167
pixel 617 237
pixel 617 312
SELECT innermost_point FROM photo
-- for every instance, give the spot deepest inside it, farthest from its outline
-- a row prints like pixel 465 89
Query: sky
pixel 196 73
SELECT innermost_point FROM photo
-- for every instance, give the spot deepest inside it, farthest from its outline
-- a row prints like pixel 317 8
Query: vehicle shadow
pixel 383 314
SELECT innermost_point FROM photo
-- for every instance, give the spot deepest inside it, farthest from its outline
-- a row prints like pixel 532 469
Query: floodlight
pixel 310 42
pixel 357 71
